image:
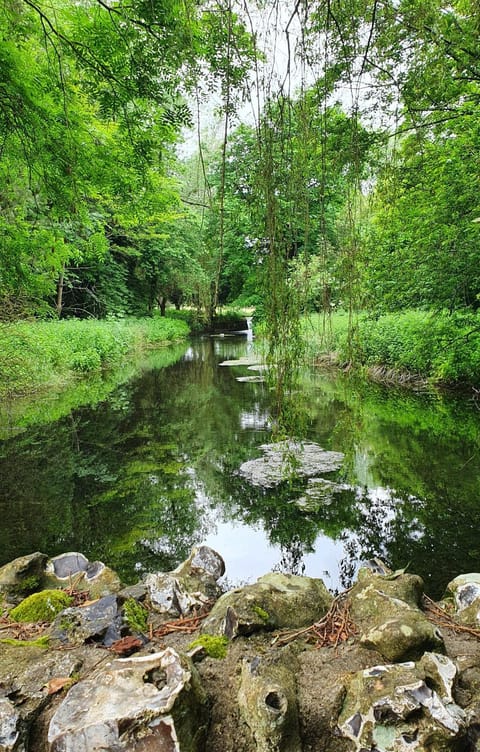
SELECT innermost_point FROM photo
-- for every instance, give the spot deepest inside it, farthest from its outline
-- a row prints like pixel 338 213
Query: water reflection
pixel 152 469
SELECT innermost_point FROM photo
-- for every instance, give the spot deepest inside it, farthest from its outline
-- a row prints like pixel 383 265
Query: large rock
pixel 22 576
pixel 145 703
pixel 9 725
pixel 403 707
pixel 285 459
pixel 385 608
pixel 192 584
pixel 464 590
pixel 275 601
pixel 73 569
pixel 267 700
pixel 98 622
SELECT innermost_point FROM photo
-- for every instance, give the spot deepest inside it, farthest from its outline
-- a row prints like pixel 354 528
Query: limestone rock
pixel 394 708
pixel 267 700
pixel 74 568
pixel 147 702
pixel 275 601
pixel 22 576
pixel 465 591
pixel 286 458
pixel 192 584
pixel 9 725
pixel 386 611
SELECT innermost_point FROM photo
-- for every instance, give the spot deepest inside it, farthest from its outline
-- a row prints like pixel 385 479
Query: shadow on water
pixel 148 468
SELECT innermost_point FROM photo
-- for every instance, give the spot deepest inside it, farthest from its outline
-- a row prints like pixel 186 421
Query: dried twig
pixel 335 627
pixel 186 624
pixel 441 618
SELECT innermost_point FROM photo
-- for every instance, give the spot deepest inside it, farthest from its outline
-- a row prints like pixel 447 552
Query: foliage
pixel 40 642
pixel 42 353
pixel 42 606
pixel 135 615
pixel 215 645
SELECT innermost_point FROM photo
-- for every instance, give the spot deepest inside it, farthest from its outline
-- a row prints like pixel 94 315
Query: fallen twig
pixel 441 618
pixel 335 627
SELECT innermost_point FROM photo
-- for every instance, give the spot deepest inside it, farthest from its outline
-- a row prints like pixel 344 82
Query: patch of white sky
pixel 277 28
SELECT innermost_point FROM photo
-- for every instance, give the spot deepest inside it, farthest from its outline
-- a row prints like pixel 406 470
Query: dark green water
pixel 150 470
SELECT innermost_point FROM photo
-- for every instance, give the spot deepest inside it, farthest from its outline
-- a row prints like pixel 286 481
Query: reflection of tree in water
pixel 292 557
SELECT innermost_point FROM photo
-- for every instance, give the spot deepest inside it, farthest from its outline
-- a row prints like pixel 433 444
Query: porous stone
pixel 267 700
pixel 74 569
pixel 285 459
pixel 275 601
pixel 147 702
pixel 394 708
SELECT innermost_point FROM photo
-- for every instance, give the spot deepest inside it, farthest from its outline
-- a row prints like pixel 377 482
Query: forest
pixel 333 169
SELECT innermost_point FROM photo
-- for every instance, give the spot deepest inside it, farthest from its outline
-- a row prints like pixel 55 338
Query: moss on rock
pixel 43 606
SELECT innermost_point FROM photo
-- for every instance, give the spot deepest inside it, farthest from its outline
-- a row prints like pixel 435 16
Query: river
pixel 150 468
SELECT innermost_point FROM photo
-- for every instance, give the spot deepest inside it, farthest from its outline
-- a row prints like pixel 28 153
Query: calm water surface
pixel 151 470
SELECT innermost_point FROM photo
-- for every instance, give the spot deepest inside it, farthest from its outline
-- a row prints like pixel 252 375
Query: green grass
pixel 39 354
pixel 440 346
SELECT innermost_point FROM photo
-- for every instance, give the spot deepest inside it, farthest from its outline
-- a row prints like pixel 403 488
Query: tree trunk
pixel 60 286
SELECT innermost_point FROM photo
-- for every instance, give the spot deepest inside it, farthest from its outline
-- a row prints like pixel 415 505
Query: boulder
pixel 399 707
pixel 22 576
pixel 275 601
pixel 385 608
pixel 142 703
pixel 193 584
pixel 268 704
pixel 285 459
pixel 464 590
pixel 73 569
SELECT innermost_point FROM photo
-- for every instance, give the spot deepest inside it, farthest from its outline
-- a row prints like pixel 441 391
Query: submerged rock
pixel 399 707
pixel 287 459
pixel 148 702
pixel 74 569
pixel 319 492
pixel 275 601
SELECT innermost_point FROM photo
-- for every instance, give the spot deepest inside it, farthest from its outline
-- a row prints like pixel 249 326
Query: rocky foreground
pixel 172 664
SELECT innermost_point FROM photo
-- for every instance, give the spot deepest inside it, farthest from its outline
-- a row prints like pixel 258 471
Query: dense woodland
pixel 354 184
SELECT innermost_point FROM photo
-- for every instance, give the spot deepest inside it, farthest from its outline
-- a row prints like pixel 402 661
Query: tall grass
pixel 441 346
pixel 43 353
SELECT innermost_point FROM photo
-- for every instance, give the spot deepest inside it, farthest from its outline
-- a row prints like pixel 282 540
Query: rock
pixel 9 725
pixel 465 592
pixel 267 699
pixel 142 703
pixel 275 601
pixel 319 492
pixel 386 611
pixel 191 585
pixel 22 576
pixel 286 459
pixel 74 569
pixel 394 708
pixel 98 622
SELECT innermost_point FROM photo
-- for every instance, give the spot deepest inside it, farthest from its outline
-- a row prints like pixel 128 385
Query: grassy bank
pixel 439 346
pixel 40 354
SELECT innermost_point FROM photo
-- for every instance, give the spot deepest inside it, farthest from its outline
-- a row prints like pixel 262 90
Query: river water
pixel 150 468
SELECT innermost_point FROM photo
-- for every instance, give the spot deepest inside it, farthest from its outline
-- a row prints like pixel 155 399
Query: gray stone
pixel 9 725
pixel 193 584
pixel 319 492
pixel 73 569
pixel 465 592
pixel 22 576
pixel 98 622
pixel 275 601
pixel 267 700
pixel 147 702
pixel 285 459
pixel 393 708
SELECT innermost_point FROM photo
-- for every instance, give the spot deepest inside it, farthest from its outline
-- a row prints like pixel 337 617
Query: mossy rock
pixel 215 646
pixel 43 606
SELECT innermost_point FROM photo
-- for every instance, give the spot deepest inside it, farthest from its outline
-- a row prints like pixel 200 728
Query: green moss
pixel 40 642
pixel 27 585
pixel 264 615
pixel 135 615
pixel 43 606
pixel 215 647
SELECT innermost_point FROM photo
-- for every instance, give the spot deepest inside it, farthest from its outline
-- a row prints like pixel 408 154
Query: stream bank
pixel 276 666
